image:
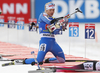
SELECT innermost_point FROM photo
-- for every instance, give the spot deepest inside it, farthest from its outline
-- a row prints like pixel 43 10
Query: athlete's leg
pixel 58 53
pixel 44 46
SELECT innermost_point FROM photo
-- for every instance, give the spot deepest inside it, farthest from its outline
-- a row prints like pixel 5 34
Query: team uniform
pixel 47 42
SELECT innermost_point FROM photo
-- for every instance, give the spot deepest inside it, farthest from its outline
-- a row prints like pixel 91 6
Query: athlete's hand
pixel 54 20
pixel 32 24
pixel 67 16
pixel 51 28
pixel 64 23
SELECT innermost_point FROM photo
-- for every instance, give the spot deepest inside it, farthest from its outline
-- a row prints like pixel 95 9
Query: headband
pixel 50 6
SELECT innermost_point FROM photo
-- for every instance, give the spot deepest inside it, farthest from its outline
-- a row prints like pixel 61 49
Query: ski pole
pixel 35 60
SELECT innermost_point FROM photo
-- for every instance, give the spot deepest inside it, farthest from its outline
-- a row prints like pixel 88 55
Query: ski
pixel 46 69
pixel 18 61
pixel 6 64
pixel 15 62
pixel 5 59
pixel 80 60
pixel 70 69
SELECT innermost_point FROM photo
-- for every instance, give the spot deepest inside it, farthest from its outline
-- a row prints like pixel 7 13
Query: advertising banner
pixel 11 20
pixel 89 31
pixel 73 29
pixel 15 8
pixel 90 9
pixel 1 20
pixel 20 22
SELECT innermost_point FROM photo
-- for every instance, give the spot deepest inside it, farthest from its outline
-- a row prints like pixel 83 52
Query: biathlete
pixel 48 28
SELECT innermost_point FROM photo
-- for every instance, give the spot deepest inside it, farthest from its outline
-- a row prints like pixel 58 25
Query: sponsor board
pixel 73 29
pixel 89 31
pixel 15 8
pixel 11 20
pixel 1 20
pixel 90 9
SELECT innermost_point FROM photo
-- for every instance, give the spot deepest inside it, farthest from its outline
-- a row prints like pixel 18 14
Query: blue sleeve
pixel 45 19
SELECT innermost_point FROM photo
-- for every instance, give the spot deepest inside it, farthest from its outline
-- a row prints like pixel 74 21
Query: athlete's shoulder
pixel 44 14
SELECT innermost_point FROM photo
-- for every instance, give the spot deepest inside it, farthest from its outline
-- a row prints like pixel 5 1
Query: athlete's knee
pixel 60 59
pixel 55 60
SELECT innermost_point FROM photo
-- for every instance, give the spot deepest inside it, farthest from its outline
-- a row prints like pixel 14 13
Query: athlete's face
pixel 50 12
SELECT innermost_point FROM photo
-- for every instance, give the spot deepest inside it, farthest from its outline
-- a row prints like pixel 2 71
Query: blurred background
pixel 82 40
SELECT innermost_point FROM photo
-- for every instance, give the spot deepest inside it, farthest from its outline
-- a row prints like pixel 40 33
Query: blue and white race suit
pixel 47 42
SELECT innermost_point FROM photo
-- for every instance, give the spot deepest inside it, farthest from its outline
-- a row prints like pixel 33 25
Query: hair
pixel 47 4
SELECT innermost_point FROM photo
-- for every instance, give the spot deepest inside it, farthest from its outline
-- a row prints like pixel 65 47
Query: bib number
pixel 42 47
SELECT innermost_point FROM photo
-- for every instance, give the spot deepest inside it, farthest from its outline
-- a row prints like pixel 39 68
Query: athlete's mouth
pixel 51 13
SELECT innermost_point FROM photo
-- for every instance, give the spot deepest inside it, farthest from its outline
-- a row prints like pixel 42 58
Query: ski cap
pixel 50 6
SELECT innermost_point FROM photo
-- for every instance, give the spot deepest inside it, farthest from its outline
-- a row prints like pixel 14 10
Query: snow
pixel 77 46
pixel 16 68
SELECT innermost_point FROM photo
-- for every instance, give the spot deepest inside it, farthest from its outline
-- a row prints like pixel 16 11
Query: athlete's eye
pixel 52 9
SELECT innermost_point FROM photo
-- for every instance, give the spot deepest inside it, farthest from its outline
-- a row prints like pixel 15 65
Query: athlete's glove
pixel 51 28
pixel 32 24
pixel 64 23
pixel 53 21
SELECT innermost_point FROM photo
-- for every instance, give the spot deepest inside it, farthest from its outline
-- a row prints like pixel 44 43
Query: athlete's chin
pixel 51 15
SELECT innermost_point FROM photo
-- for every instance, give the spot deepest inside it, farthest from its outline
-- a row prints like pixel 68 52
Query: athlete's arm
pixel 48 21
pixel 45 19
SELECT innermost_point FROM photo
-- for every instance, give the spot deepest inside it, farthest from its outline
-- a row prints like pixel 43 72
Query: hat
pixel 50 6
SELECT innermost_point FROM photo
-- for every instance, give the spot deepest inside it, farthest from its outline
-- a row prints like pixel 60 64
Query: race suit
pixel 47 42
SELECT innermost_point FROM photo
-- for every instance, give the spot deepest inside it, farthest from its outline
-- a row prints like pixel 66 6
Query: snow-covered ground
pixel 16 69
pixel 77 46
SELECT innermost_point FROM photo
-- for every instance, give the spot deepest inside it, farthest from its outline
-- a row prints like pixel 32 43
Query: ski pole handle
pixel 32 52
